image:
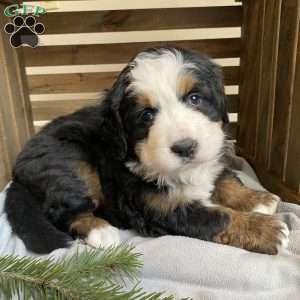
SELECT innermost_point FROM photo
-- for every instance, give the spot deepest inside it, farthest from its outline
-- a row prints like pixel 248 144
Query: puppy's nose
pixel 185 148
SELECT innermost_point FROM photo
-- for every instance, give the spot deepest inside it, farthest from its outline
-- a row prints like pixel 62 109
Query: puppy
pixel 149 157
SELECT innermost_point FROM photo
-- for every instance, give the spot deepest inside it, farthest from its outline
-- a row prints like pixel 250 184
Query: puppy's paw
pixel 268 205
pixel 284 236
pixel 103 237
pixel 271 234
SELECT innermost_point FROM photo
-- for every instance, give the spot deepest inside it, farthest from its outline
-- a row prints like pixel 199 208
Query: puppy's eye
pixel 147 115
pixel 194 99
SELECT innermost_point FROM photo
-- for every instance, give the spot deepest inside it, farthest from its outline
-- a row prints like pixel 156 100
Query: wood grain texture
pixel 252 35
pixel 97 5
pixel 233 102
pixel 290 16
pixel 48 110
pixel 15 111
pixel 293 153
pixel 102 38
pixel 121 53
pixel 97 68
pixel 93 82
pixel 138 20
pixel 268 73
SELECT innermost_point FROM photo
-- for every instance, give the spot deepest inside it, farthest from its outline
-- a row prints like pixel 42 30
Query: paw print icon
pixel 24 31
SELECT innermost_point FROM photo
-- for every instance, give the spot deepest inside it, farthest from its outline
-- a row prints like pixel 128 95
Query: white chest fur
pixel 193 183
pixel 196 183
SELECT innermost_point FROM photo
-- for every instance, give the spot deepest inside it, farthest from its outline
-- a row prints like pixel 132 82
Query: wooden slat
pixel 138 20
pixel 48 110
pixel 121 53
pixel 97 68
pixel 285 82
pixel 93 82
pixel 96 5
pixel 71 83
pixel 15 110
pixel 269 71
pixel 101 38
pixel 252 33
pixel 233 102
pixel 293 155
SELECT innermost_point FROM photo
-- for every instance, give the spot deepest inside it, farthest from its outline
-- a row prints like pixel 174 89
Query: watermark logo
pixel 24 28
pixel 23 10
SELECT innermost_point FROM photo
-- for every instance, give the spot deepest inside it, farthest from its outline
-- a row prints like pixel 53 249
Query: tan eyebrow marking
pixel 185 84
pixel 145 100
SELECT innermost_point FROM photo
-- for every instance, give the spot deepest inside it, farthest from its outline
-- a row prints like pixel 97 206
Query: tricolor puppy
pixel 149 157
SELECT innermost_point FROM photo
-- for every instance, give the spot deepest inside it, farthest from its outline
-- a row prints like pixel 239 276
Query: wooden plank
pixel 96 5
pixel 96 38
pixel 97 68
pixel 233 102
pixel 48 110
pixel 269 71
pixel 121 53
pixel 290 17
pixel 293 154
pixel 252 34
pixel 71 83
pixel 15 110
pixel 139 20
pixel 93 82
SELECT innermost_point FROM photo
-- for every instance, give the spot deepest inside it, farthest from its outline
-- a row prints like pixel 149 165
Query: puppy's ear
pixel 219 91
pixel 224 110
pixel 113 130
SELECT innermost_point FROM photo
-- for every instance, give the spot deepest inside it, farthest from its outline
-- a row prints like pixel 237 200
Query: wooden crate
pixel 86 43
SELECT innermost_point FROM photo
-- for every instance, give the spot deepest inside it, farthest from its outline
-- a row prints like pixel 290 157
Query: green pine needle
pixel 90 275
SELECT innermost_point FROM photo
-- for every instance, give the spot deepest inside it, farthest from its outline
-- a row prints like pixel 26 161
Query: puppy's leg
pixel 230 192
pixel 251 231
pixel 254 232
pixel 95 231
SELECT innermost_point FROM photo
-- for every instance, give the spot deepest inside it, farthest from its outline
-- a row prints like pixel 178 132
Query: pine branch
pixel 90 275
pixel 113 262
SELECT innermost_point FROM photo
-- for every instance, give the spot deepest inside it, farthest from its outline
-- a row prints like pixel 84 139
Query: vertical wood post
pixel 16 124
pixel 268 133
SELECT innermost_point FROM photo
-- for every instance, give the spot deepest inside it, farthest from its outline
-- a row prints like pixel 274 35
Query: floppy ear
pixel 113 130
pixel 224 110
pixel 220 93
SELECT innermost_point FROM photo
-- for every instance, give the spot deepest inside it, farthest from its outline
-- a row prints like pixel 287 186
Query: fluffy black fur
pixel 46 194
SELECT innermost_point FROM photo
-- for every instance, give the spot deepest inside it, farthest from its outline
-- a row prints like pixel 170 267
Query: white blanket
pixel 187 267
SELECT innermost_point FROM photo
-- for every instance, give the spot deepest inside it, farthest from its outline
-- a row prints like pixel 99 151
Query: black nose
pixel 185 148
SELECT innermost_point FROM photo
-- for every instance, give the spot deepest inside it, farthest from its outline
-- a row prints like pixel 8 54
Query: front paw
pixel 103 237
pixel 266 234
pixel 267 203
pixel 255 232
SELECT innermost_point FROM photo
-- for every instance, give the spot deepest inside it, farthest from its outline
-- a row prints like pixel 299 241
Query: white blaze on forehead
pixel 158 74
